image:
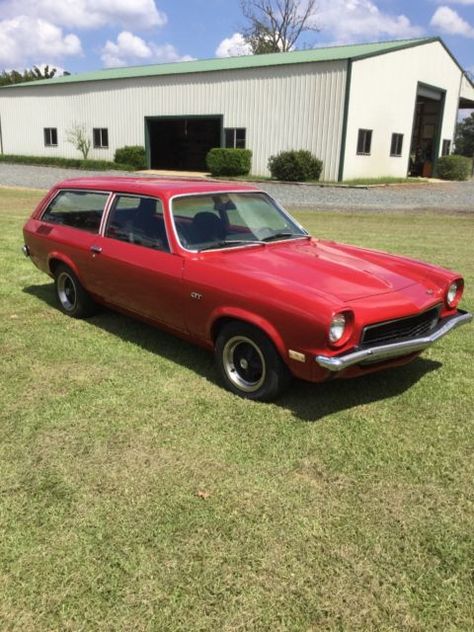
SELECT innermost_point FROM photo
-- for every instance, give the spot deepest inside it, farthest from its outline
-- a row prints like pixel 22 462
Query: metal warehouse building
pixel 367 110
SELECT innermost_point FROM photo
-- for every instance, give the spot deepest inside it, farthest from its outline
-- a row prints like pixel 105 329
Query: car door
pixel 134 267
pixel 69 226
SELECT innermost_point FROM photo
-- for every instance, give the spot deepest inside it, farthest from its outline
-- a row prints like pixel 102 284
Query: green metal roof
pixel 333 53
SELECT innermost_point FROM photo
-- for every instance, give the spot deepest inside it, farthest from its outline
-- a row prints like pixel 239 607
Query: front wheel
pixel 248 363
pixel 72 298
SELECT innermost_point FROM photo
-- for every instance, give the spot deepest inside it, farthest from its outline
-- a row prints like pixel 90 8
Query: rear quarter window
pixel 77 209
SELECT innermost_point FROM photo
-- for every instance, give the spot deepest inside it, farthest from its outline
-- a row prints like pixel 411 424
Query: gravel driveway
pixel 447 196
pixel 452 196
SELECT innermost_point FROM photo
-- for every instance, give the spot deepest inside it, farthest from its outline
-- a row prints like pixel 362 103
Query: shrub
pixel 229 162
pixel 454 168
pixel 68 163
pixel 131 155
pixel 295 166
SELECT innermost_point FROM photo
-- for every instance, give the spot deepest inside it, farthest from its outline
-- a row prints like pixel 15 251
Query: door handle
pixel 96 250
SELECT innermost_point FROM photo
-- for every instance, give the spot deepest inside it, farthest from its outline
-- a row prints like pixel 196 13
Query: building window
pixel 397 145
pixel 446 149
pixel 101 137
pixel 364 142
pixel 235 137
pixel 50 137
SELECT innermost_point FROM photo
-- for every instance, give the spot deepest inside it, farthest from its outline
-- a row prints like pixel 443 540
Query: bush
pixel 295 166
pixel 454 168
pixel 68 163
pixel 131 155
pixel 229 162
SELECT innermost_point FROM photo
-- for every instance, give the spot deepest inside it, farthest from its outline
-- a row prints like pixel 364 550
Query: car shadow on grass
pixel 307 401
pixel 312 402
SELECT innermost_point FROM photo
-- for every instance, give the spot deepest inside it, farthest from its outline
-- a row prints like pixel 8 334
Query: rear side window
pixel 77 209
pixel 138 220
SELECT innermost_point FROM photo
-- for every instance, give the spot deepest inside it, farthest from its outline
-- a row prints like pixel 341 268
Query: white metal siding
pixel 284 107
pixel 467 89
pixel 382 98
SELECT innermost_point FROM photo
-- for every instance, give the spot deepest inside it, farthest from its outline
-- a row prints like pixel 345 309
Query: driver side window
pixel 138 220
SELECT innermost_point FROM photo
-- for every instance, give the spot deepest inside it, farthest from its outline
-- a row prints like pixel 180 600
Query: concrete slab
pixel 162 173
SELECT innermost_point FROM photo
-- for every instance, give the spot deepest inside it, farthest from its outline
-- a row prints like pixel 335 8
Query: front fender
pixel 237 313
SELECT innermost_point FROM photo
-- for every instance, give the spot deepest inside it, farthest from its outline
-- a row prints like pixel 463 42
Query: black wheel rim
pixel 244 364
pixel 67 292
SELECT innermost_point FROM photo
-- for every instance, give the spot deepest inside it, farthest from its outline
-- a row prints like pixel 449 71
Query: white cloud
pixel 130 49
pixel 233 46
pixel 128 46
pixel 449 21
pixel 359 20
pixel 89 14
pixel 25 39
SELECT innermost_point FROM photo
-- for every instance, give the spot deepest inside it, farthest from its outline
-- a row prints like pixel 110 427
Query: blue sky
pixel 88 34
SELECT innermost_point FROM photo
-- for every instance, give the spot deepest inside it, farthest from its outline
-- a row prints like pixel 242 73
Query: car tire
pixel 72 298
pixel 248 363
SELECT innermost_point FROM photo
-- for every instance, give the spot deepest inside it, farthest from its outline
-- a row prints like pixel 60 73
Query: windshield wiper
pixel 281 235
pixel 231 242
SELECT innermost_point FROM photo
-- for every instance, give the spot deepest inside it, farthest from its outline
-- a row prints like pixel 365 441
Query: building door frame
pixel 177 117
pixel 437 94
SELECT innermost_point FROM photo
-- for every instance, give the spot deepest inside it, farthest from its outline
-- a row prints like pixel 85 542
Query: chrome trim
pixel 25 250
pixel 105 213
pixel 396 349
pixel 235 191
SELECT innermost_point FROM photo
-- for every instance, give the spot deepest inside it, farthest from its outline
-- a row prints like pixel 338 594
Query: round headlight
pixel 337 327
pixel 452 294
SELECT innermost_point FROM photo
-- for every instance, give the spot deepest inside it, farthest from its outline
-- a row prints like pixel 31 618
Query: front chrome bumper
pixel 380 353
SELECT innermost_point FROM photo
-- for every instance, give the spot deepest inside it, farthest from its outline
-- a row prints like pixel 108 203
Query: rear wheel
pixel 248 363
pixel 72 298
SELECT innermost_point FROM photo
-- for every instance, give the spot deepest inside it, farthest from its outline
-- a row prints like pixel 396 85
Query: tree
pixel 9 77
pixel 46 73
pixel 77 136
pixel 275 25
pixel 464 141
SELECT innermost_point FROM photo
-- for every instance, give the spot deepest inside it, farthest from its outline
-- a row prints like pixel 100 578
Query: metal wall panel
pixel 284 107
pixel 382 98
pixel 467 89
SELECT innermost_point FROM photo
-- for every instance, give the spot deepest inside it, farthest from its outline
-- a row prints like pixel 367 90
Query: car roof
pixel 152 186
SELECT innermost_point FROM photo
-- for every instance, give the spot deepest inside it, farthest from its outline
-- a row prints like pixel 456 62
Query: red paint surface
pixel 290 289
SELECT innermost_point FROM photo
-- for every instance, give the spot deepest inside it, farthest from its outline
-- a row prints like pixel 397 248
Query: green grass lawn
pixel 136 494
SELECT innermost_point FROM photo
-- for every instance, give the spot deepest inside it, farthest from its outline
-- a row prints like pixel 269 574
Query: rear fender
pixel 55 257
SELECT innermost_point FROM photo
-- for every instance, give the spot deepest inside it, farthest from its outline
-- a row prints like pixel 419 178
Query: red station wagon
pixel 224 266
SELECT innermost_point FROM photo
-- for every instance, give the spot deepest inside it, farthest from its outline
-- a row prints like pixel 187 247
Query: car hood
pixel 345 272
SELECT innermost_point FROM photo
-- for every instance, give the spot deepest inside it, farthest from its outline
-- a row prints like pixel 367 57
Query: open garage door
pixel 428 121
pixel 182 143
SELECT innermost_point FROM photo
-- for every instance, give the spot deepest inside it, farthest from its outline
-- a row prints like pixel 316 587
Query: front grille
pixel 401 329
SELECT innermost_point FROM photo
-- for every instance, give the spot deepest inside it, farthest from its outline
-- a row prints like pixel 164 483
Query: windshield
pixel 220 220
